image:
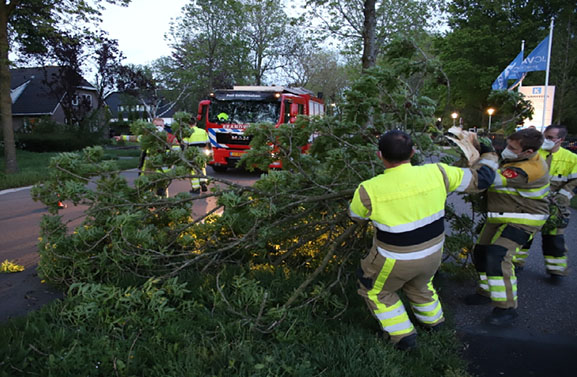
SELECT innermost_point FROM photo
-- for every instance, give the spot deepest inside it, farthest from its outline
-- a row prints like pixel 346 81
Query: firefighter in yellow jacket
pixel 406 205
pixel 517 208
pixel 563 179
pixel 144 166
pixel 198 139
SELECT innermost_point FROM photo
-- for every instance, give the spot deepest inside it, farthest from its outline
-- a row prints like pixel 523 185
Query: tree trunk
pixel 369 32
pixel 5 98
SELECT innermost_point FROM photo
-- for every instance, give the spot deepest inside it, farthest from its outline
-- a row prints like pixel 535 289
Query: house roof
pixel 30 93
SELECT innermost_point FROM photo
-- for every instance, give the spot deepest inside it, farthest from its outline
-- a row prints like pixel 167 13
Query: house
pixel 41 92
pixel 125 107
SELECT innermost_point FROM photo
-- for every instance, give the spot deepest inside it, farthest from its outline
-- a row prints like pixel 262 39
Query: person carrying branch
pixel 198 139
pixel 406 205
pixel 517 208
pixel 145 165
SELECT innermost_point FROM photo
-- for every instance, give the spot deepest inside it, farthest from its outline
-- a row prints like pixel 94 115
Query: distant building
pixel 39 92
pixel 124 107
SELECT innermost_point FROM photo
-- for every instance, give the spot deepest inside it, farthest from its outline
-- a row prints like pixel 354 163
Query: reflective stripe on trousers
pixel 196 182
pixel 430 313
pixel 498 290
pixel 556 263
pixel 483 282
pixel 393 319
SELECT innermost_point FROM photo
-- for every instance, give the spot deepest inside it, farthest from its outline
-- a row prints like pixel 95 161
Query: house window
pixel 87 98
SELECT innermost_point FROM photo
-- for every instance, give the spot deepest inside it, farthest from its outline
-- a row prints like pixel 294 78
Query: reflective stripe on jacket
pixel 198 138
pixel 519 193
pixel 562 171
pixel 407 204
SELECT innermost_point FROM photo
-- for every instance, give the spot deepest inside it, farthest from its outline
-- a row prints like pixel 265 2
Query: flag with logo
pixel 509 73
pixel 537 59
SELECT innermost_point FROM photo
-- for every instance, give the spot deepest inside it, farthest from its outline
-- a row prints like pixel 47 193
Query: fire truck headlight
pixel 207 152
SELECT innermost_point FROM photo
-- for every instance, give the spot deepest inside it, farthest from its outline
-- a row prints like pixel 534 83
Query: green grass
pixel 108 331
pixel 33 166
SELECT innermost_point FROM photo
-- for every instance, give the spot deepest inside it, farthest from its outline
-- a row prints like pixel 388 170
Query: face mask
pixel 508 154
pixel 548 145
pixel 159 128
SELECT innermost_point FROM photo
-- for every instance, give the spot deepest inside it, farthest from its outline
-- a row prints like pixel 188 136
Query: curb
pixel 10 191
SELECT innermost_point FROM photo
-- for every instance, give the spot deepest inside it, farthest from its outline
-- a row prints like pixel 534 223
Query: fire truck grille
pixel 233 138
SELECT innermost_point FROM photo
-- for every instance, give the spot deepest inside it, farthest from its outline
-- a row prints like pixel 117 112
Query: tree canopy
pixel 483 39
pixel 26 25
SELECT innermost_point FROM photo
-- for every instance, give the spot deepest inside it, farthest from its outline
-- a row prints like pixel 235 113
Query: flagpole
pixel 522 76
pixel 547 74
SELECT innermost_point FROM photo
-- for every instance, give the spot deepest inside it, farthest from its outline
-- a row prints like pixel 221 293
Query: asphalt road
pixel 20 228
pixel 543 339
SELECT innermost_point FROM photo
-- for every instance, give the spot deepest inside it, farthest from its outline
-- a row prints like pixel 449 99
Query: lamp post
pixel 490 111
pixel 454 116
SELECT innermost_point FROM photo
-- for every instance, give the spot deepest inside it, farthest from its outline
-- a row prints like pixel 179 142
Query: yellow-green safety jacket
pixel 198 138
pixel 562 171
pixel 170 139
pixel 519 193
pixel 407 204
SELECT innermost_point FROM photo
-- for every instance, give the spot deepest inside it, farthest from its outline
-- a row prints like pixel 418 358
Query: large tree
pixel 108 60
pixel 564 66
pixel 484 38
pixel 266 34
pixel 319 70
pixel 221 43
pixel 25 25
pixel 208 51
pixel 365 27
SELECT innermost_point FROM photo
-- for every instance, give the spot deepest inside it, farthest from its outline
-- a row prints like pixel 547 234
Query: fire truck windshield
pixel 244 112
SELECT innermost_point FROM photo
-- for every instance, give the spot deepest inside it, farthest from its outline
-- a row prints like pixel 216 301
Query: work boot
pixel 477 299
pixel 195 191
pixel 203 187
pixel 502 317
pixel 433 329
pixel 407 343
pixel 438 327
pixel 556 279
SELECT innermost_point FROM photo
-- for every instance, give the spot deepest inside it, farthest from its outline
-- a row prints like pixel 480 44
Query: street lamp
pixel 490 111
pixel 454 116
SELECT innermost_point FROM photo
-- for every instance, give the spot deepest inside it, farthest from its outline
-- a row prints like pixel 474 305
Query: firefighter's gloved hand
pixel 485 145
pixel 561 200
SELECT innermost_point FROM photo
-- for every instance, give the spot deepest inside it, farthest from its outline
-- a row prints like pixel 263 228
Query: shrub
pixel 58 142
pixel 49 136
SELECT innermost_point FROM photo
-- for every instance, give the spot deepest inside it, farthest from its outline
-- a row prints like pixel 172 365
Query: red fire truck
pixel 229 111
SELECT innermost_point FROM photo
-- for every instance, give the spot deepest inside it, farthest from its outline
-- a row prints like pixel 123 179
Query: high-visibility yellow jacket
pixel 146 154
pixel 198 138
pixel 407 204
pixel 562 171
pixel 519 193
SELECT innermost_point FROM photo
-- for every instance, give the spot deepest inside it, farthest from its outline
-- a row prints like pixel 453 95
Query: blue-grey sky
pixel 140 28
